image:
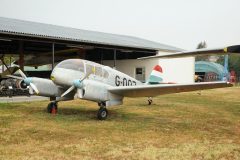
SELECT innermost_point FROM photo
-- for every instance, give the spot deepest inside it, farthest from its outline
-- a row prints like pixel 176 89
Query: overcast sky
pixel 180 23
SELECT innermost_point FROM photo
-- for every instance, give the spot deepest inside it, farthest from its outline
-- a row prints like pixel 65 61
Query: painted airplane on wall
pixel 106 86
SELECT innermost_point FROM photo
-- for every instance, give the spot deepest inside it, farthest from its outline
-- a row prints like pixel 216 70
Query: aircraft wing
pixel 160 89
pixel 199 52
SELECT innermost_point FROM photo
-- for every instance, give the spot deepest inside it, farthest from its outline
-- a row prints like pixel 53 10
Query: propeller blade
pixel 34 88
pixel 15 77
pixel 80 93
pixel 22 74
pixel 73 87
pixel 68 91
pixel 31 90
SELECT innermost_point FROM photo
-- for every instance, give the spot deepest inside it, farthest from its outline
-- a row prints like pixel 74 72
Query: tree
pixel 200 46
pixel 233 63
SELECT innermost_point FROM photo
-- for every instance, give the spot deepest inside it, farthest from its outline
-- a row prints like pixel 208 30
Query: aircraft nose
pixel 56 76
pixel 52 77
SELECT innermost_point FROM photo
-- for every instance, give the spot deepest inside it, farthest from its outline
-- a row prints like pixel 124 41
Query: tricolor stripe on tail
pixel 156 75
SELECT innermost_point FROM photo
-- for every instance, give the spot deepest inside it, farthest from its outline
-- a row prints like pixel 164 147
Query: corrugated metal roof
pixel 34 29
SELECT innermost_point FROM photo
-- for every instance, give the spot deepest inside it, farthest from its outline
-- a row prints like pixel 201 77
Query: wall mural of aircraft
pixel 106 86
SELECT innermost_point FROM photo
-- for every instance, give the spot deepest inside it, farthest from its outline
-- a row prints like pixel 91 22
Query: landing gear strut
pixel 150 100
pixel 102 112
pixel 52 107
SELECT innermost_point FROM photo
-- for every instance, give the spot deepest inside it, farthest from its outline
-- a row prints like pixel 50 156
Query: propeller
pixel 26 80
pixel 76 84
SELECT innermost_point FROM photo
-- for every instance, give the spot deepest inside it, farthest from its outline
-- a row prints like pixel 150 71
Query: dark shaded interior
pixel 37 51
pixel 93 53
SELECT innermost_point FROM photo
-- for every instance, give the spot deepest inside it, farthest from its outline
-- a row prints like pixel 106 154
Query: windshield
pixel 73 64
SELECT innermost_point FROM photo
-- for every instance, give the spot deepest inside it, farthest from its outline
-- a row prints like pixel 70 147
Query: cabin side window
pixel 98 71
pixel 89 68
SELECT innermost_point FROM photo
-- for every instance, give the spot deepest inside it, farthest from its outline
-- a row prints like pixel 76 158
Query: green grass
pixel 177 126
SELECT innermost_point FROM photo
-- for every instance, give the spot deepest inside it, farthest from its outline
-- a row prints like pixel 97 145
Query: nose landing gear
pixel 52 108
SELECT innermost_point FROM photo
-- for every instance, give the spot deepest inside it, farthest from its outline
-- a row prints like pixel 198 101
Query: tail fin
pixel 156 75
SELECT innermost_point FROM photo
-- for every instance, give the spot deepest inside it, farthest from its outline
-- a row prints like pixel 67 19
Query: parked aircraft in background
pixel 102 84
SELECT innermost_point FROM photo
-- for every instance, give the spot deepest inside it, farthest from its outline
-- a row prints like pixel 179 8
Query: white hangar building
pixel 37 44
pixel 177 70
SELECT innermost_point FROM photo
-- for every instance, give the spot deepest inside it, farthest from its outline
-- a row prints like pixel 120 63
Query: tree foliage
pixel 200 46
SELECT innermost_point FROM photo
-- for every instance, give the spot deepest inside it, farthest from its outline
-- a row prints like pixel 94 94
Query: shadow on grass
pixel 91 114
pixel 74 111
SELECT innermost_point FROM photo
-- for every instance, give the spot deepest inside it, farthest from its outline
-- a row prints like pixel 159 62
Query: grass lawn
pixel 176 126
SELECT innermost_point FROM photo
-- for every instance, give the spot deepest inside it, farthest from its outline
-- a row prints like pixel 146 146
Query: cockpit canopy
pixel 83 66
pixel 73 64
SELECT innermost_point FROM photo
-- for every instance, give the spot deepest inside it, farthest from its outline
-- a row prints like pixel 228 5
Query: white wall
pixel 128 66
pixel 178 70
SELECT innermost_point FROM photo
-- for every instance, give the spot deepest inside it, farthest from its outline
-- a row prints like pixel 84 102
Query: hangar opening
pixel 38 58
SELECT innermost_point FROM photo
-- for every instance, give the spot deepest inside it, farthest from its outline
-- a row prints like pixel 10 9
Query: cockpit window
pixel 73 64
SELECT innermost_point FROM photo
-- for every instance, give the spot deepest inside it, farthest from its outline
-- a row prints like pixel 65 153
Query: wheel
pixel 102 113
pixel 52 107
pixel 149 101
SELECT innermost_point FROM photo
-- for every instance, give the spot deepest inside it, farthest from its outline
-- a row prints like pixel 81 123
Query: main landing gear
pixel 101 115
pixel 102 112
pixel 150 100
pixel 52 107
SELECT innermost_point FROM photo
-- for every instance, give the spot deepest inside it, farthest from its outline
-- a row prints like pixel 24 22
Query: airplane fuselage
pixel 75 69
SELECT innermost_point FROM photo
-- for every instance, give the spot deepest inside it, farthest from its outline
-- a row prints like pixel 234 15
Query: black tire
pixel 102 113
pixel 51 106
pixel 149 102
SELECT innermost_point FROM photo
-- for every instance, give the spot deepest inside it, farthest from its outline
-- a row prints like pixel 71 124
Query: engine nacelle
pixel 94 91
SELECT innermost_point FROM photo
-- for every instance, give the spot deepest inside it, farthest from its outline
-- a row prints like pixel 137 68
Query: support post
pixel 53 55
pixel 101 58
pixel 21 56
pixel 225 76
pixel 115 57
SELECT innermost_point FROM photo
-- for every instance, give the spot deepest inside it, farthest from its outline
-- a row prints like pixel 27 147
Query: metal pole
pixel 21 56
pixel 101 58
pixel 225 76
pixel 53 55
pixel 115 57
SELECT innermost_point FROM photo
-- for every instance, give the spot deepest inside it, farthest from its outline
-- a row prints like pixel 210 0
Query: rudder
pixel 156 75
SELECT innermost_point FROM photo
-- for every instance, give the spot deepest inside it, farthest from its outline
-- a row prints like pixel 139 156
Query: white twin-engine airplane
pixel 106 86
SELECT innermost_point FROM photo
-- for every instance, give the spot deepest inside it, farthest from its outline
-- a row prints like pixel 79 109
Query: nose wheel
pixel 52 107
pixel 102 112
